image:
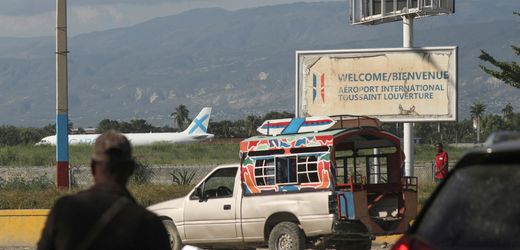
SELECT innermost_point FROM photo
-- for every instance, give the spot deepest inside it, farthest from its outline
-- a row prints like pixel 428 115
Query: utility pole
pixel 62 109
pixel 408 128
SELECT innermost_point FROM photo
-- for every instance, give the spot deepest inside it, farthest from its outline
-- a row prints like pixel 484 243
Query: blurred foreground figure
pixel 106 216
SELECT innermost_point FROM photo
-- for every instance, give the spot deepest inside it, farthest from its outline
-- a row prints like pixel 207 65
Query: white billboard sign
pixel 394 85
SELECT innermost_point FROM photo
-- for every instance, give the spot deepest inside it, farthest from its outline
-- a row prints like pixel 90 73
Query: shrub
pixel 142 173
pixel 38 183
pixel 183 176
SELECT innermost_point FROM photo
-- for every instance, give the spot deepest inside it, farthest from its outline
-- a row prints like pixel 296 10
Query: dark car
pixel 476 207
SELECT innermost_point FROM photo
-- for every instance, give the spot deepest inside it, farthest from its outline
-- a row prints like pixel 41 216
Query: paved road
pixel 374 247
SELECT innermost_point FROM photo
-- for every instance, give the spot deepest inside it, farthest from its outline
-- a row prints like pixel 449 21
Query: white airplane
pixel 197 131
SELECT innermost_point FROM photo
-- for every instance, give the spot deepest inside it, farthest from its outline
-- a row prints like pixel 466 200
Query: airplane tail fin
pixel 199 125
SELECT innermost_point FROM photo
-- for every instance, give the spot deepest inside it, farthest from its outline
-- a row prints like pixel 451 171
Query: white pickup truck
pixel 217 214
pixel 312 190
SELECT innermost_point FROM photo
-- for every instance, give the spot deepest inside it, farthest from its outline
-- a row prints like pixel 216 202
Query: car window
pixel 478 207
pixel 220 184
pixel 286 170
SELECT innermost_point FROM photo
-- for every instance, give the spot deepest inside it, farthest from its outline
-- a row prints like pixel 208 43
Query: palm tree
pixel 477 110
pixel 181 117
pixel 507 112
pixel 508 72
pixel 252 122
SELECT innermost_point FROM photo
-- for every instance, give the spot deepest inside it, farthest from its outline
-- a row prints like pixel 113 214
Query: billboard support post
pixel 376 12
pixel 408 128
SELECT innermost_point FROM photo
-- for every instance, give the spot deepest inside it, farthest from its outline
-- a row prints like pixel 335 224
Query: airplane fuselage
pixel 134 138
pixel 196 131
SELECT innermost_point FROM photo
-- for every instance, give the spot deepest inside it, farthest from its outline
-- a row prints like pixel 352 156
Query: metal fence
pixel 80 176
pixel 425 171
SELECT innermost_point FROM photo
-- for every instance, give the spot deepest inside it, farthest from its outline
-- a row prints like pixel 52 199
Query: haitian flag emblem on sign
pixel 315 87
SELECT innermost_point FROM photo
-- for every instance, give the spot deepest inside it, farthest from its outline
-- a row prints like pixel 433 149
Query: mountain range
pixel 239 62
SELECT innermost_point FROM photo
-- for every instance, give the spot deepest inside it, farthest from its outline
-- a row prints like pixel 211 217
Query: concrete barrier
pixel 21 227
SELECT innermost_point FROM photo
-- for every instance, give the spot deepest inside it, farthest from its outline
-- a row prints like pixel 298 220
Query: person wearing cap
pixel 106 216
pixel 441 163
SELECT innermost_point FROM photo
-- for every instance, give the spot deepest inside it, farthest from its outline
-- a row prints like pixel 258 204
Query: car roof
pixel 502 151
pixel 501 136
pixel 505 146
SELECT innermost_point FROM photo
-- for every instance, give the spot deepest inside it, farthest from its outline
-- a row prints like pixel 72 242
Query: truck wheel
pixel 286 236
pixel 173 234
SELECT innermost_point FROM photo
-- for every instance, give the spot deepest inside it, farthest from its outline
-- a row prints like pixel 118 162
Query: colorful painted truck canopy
pixel 302 162
pixel 362 166
pixel 296 162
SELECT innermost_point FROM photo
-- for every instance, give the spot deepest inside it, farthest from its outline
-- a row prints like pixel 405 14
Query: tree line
pixel 12 135
pixel 465 131
pixel 429 132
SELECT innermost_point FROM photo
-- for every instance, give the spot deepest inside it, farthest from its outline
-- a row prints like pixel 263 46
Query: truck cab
pixel 334 188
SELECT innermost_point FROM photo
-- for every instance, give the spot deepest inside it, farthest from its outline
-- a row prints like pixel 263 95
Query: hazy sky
pixel 28 18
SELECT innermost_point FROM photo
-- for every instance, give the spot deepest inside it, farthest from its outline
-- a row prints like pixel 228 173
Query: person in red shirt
pixel 441 163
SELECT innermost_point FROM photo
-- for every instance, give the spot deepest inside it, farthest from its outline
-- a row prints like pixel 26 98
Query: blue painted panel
pixel 294 126
pixel 62 137
pixel 350 205
pixel 288 188
pixel 314 90
pixel 343 205
pixel 346 205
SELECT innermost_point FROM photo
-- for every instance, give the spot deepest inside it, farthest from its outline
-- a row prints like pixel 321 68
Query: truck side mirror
pixel 200 194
